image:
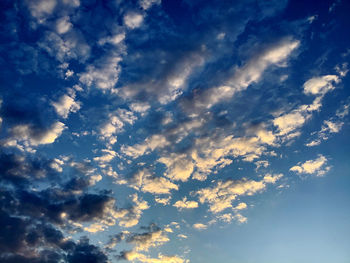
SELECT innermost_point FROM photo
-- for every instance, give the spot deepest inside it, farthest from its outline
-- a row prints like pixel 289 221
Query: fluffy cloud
pixel 65 47
pixel 221 196
pixel 150 144
pixel 247 74
pixel 332 125
pixel 104 74
pixel 146 4
pixel 289 123
pixel 132 255
pixel 173 79
pixel 117 120
pixel 129 217
pixel 40 9
pixel 32 136
pixel 179 167
pixel 184 204
pixel 317 166
pixel 65 105
pixel 63 25
pixel 133 20
pixel 154 237
pixel 200 226
pixel 144 181
pixel 320 85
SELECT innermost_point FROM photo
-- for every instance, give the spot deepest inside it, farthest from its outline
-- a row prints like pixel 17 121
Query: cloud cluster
pixel 223 193
pixel 317 166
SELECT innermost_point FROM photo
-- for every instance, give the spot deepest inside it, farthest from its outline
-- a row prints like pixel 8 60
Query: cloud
pixel 320 85
pixel 63 25
pixel 169 79
pixel 228 217
pixel 163 201
pixel 21 170
pixel 179 167
pixel 332 125
pixel 144 181
pixel 200 226
pixel 30 135
pixel 65 47
pixel 132 255
pixel 215 150
pixel 65 105
pixel 244 76
pixel 129 217
pixel 221 196
pixel 154 237
pixel 240 206
pixel 104 74
pixel 150 144
pixel 40 9
pixel 289 123
pixel 114 39
pixel 316 166
pixel 146 4
pixel 133 20
pixel 106 158
pixel 184 204
pixel 115 124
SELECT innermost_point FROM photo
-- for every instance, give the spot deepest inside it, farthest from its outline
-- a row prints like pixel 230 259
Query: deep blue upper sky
pixel 174 131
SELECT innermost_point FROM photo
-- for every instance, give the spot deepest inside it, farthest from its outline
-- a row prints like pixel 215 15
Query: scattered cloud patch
pixel 317 166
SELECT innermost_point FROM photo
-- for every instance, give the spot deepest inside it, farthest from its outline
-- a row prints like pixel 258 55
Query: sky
pixel 174 131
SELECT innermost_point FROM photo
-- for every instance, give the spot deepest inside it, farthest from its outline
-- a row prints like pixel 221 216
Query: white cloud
pixel 249 73
pixel 131 216
pixel 240 206
pixel 316 166
pixel 65 47
pixel 107 157
pixel 179 167
pixel 332 125
pixel 57 164
pixel 65 105
pixel 146 4
pixel 144 181
pixel 95 178
pixel 163 200
pixel 213 152
pixel 145 241
pixel 114 40
pixel 200 226
pixel 104 75
pixel 40 9
pixel 228 217
pixel 133 20
pixel 221 196
pixel 150 144
pixel 28 134
pixel 290 121
pixel 63 25
pixel 95 227
pixel 171 84
pixel 184 204
pixel 115 124
pixel 133 256
pixel 320 85
pixel 140 107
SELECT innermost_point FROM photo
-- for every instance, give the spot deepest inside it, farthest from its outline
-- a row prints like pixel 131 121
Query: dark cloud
pixel 21 170
pixel 27 235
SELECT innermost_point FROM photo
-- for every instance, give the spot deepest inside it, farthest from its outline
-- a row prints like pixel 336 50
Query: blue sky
pixel 179 131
